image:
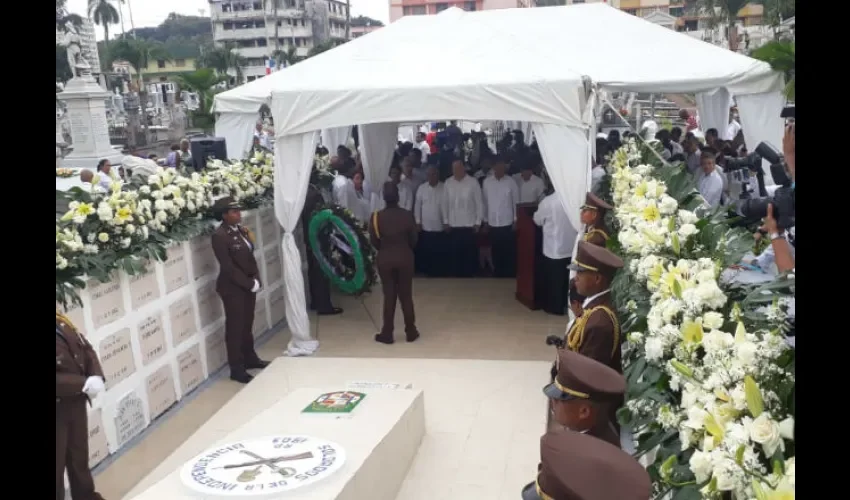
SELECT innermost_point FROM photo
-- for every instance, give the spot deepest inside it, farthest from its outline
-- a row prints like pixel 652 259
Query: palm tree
pixel 222 59
pixel 203 81
pixel 63 17
pixel 322 47
pixel 138 53
pixel 103 14
pixel 288 57
pixel 780 55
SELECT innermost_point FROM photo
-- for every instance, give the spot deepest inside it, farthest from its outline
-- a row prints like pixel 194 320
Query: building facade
pixel 401 8
pixel 358 31
pixel 257 31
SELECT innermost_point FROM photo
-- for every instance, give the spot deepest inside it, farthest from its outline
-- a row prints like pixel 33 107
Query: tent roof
pixel 519 64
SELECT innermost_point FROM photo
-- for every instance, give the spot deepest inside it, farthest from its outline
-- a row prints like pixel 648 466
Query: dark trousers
pixel 463 252
pixel 431 253
pixel 320 287
pixel 556 284
pixel 238 326
pixel 397 285
pixel 503 243
pixel 72 450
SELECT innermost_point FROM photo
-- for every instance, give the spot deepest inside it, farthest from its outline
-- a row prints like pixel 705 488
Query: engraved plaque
pixel 203 258
pixel 176 270
pixel 107 303
pixel 274 266
pixel 261 324
pixel 74 313
pixel 116 357
pixel 161 394
pixel 143 288
pixel 216 349
pixel 80 130
pixel 152 338
pixel 191 370
pixel 209 304
pixel 98 447
pixel 268 226
pixel 182 316
pixel 277 306
pixel 129 418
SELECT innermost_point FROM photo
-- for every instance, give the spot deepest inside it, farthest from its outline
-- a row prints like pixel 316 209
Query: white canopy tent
pixel 517 64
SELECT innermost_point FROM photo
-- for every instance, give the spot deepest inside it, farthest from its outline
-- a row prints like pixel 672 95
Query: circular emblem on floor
pixel 262 466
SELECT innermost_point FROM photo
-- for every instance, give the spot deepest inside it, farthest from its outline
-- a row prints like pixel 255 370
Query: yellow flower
pixel 651 213
pixel 84 209
pixel 640 190
pixel 103 237
pixel 124 214
pixel 692 331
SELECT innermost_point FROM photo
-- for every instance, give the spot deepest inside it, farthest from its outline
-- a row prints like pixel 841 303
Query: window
pixel 677 11
pixel 251 78
pixel 691 25
pixel 262 42
pixel 180 63
pixel 442 6
pixel 160 63
pixel 630 11
pixel 227 25
pixel 469 6
pixel 577 1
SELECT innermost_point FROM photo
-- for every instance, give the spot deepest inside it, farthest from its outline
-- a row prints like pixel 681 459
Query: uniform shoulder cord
pixel 576 336
pixel 375 224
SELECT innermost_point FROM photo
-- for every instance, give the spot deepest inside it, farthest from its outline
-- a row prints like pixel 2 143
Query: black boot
pixel 242 377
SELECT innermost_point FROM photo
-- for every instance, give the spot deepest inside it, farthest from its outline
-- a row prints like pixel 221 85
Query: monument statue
pixel 73 48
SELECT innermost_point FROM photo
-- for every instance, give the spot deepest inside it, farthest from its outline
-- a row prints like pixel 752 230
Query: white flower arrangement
pixel 721 373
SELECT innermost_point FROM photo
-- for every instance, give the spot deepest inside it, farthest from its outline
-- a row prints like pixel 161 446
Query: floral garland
pixel 342 248
pixel 711 378
pixel 125 228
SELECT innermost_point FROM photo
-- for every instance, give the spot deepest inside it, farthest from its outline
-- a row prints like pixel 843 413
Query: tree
pixel 63 17
pixel 203 81
pixel 780 55
pixel 360 21
pixel 138 53
pixel 103 14
pixel 725 12
pixel 775 11
pixel 322 47
pixel 222 59
pixel 288 57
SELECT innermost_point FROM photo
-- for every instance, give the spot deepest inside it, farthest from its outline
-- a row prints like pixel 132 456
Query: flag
pixel 269 66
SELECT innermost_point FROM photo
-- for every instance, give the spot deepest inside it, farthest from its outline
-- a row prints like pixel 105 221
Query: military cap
pixel 590 257
pixel 593 202
pixel 576 466
pixel 224 204
pixel 581 377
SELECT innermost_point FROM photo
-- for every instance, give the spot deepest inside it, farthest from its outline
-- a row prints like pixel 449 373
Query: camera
pixel 783 198
pixel 555 341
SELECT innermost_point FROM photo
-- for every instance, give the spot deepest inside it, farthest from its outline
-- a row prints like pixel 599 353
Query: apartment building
pixel 252 27
pixel 401 8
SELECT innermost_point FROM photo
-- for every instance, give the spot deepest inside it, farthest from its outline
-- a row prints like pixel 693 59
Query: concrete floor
pixel 460 319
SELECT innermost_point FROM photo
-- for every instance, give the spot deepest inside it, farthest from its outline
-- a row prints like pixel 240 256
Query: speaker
pixel 206 147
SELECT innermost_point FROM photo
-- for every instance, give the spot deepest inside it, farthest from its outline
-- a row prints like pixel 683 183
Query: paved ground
pixel 460 319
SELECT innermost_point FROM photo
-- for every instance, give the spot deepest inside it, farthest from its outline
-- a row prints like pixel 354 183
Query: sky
pixel 150 13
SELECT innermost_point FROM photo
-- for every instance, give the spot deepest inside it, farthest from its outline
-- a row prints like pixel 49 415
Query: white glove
pixel 93 386
pixel 256 286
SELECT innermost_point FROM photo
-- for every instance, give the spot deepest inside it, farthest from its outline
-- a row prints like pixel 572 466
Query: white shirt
pixel 405 198
pixel 732 130
pixel 710 187
pixel 530 191
pixel 428 207
pixel 412 184
pixel 677 148
pixel 463 204
pixel 559 236
pixel 426 150
pixel 596 176
pixel 343 192
pixel 500 200
pixel 590 299
pixel 692 161
pixel 263 136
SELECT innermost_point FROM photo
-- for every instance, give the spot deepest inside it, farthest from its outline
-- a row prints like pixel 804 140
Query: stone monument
pixel 86 108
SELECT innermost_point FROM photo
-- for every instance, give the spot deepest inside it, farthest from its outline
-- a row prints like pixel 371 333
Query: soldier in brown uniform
pixel 582 393
pixel 237 285
pixel 575 466
pixel 320 287
pixel 596 333
pixel 79 378
pixel 593 217
pixel 393 233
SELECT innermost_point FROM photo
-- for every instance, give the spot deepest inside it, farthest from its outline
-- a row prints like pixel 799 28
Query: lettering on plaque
pixel 79 126
pixel 161 394
pixel 143 288
pixel 99 127
pixel 116 357
pixel 203 258
pixel 274 269
pixel 176 270
pixel 129 418
pixel 268 226
pixel 152 338
pixel 182 316
pixel 107 302
pixel 209 304
pixel 216 349
pixel 98 447
pixel 191 369
pixel 277 306
pixel 75 313
pixel 261 324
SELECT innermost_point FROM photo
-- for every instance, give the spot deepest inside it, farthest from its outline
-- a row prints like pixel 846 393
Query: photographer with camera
pixel 781 239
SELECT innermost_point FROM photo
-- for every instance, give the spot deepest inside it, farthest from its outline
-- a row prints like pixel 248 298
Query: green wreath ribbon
pixel 353 275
